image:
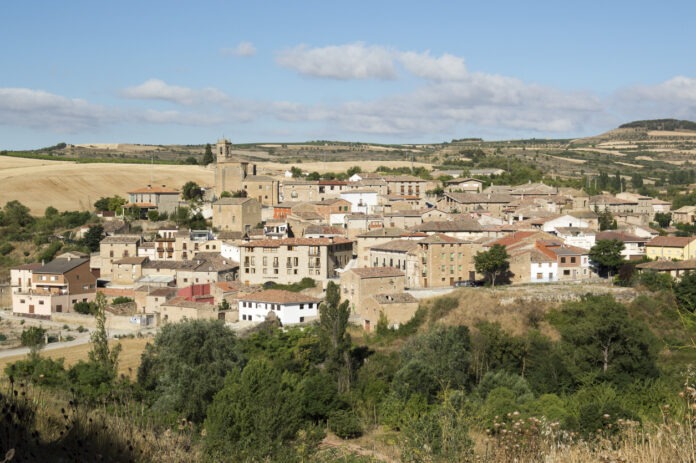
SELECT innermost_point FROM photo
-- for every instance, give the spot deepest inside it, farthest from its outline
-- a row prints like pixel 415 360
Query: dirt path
pixel 354 447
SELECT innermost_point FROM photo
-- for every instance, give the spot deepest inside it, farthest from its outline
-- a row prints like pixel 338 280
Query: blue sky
pixel 183 72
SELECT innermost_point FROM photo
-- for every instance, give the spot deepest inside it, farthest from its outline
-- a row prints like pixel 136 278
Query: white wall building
pixel 364 201
pixel 289 307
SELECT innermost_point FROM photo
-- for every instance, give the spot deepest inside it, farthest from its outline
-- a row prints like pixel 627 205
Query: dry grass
pixel 71 186
pixel 129 359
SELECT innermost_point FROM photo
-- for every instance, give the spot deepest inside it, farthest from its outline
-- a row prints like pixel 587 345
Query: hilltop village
pixel 386 240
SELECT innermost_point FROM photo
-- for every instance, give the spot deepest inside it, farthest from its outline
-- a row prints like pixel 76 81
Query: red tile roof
pixel 671 241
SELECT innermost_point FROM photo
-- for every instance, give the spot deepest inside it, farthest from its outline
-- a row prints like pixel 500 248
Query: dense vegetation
pixel 429 388
pixel 660 124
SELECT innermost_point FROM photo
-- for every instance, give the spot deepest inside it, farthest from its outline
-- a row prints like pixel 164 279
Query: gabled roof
pixel 121 239
pixel 463 225
pixel 671 241
pixel 155 189
pixel 377 272
pixel 440 238
pixel 471 198
pixel 60 266
pixel 384 232
pixel 689 264
pixel 621 236
pixel 396 246
pixel 278 296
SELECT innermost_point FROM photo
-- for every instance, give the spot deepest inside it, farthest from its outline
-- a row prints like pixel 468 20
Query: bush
pixel 5 249
pixel 345 424
pixel 85 308
pixel 122 300
pixel 81 329
pixel 33 336
pixel 655 281
pixel 442 306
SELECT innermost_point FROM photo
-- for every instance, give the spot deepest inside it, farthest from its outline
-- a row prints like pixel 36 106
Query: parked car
pixel 465 284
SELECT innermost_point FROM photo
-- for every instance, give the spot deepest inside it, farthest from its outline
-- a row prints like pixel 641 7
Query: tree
pixel 354 170
pixel 186 365
pixel 100 353
pixel 254 416
pixel 296 172
pixel 333 321
pixel 492 263
pixel 34 338
pixel 606 256
pixel 16 213
pixel 600 340
pixel 208 155
pixel 606 220
pixel 663 219
pixel 191 191
pixel 93 237
pixel 182 215
pixel 685 291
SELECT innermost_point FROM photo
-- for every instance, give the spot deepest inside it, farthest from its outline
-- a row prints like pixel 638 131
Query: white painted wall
pixel 286 313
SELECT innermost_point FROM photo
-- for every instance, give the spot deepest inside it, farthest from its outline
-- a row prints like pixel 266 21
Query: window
pixel 572 260
pixel 563 260
pixel 301 319
pixel 41 302
pixel 539 276
pixel 301 306
pixel 566 272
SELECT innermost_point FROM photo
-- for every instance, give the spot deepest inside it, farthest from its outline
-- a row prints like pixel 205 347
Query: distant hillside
pixel 661 124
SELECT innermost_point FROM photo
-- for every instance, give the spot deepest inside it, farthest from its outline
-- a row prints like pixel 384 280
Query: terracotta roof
pixel 384 232
pixel 155 189
pixel 182 302
pixel 278 296
pixel 377 272
pixel 471 198
pixel 396 246
pixel 297 242
pixel 163 292
pixel 514 238
pixel 121 239
pixel 463 225
pixel 671 241
pixel 402 178
pixel 440 238
pixel 131 261
pixel 621 236
pixel 31 266
pixel 668 265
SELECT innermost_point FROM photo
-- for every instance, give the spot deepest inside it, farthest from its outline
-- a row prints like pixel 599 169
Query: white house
pixel 230 250
pixel 581 237
pixel 289 307
pixel 565 221
pixel 361 200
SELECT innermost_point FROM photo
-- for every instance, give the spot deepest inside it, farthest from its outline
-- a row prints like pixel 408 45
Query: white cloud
pixel 155 89
pixel 242 49
pixel 38 109
pixel 446 67
pixel 674 98
pixel 343 62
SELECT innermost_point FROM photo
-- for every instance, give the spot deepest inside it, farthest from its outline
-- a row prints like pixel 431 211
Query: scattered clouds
pixel 243 49
pixel 38 109
pixel 155 89
pixel 342 62
pixel 446 67
pixel 675 97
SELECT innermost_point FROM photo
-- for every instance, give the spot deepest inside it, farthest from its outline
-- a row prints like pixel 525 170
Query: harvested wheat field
pixel 128 359
pixel 339 166
pixel 71 186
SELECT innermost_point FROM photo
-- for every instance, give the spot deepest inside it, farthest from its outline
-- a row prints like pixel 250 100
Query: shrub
pixel 442 306
pixel 85 308
pixel 122 300
pixel 345 424
pixel 5 249
pixel 81 329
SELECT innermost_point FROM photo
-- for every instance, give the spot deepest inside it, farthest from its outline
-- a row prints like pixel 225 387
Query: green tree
pixel 254 416
pixel 354 170
pixel 663 219
pixel 191 191
pixel 34 338
pixel 606 256
pixel 296 172
pixel 100 352
pixel 182 215
pixel 16 213
pixel 333 321
pixel 93 237
pixel 186 365
pixel 208 155
pixel 685 291
pixel 492 263
pixel 606 220
pixel 600 341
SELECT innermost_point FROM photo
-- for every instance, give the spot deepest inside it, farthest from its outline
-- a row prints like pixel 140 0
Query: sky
pixel 380 71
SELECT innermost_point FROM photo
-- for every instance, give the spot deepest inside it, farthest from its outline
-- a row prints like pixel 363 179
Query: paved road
pixel 81 338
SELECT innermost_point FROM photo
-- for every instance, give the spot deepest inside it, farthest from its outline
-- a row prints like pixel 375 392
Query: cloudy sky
pixel 184 72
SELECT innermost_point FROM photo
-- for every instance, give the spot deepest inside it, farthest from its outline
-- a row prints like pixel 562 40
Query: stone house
pixel 236 214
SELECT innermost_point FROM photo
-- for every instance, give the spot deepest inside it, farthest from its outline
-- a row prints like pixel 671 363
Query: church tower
pixel 229 173
pixel 224 150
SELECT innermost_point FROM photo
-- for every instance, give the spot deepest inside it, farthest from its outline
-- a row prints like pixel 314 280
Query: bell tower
pixel 223 150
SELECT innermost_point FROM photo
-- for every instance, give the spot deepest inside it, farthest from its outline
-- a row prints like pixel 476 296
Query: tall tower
pixel 229 174
pixel 224 150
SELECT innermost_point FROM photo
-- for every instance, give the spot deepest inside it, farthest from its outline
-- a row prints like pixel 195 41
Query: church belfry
pixel 224 150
